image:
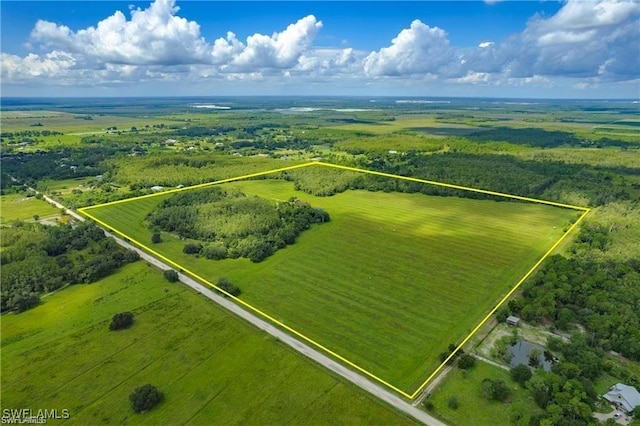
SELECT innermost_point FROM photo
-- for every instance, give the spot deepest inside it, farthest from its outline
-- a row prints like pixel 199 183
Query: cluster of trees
pixel 65 163
pixel 182 160
pixel 25 137
pixel 171 275
pixel 38 259
pixel 201 131
pixel 566 394
pixel 600 294
pixel 33 133
pixel 145 398
pixel 121 321
pixel 323 182
pixel 232 225
pixel 226 285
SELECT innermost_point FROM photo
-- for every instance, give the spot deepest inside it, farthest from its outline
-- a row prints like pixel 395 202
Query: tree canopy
pixel 233 225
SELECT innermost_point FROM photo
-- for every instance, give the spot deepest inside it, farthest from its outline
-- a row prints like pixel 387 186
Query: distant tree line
pixel 544 138
pixel 38 259
pixel 60 164
pixel 232 225
pixel 550 180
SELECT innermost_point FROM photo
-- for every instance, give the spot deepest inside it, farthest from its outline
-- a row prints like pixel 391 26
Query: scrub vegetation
pixel 232 225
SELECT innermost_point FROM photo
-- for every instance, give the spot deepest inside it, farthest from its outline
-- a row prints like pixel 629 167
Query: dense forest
pixel 232 225
pixel 551 180
pixel 554 181
pixel 38 259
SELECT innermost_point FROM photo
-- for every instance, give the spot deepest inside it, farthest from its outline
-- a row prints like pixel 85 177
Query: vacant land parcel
pixel 389 282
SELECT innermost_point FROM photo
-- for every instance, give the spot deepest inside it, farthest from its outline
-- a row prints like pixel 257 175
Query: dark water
pixel 520 355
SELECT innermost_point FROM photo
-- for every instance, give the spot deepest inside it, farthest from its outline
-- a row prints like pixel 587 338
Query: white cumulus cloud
pixel 419 49
pixel 581 38
pixel 157 36
pixel 280 50
pixel 586 41
pixel 152 36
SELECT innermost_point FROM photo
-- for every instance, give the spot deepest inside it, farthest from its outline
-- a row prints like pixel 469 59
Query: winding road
pixel 306 350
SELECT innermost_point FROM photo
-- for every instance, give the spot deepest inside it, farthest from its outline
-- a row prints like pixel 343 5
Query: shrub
pixel 156 238
pixel 171 275
pixel 226 285
pixel 121 321
pixel 466 361
pixel 145 398
pixel 24 301
pixel 191 248
pixel 453 403
pixel 521 373
pixel 495 389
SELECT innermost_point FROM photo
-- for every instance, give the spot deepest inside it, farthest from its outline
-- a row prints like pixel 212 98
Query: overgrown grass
pixel 212 367
pixel 391 281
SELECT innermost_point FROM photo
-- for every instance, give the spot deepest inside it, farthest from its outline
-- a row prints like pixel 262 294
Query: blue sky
pixel 574 48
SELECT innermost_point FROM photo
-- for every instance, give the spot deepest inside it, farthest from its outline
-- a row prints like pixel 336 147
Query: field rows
pixel 391 281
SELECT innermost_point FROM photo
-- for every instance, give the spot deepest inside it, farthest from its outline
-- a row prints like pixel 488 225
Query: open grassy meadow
pixel 466 388
pixel 213 368
pixel 18 207
pixel 391 281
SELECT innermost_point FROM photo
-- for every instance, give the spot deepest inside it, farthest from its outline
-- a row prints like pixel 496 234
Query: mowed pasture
pixel 391 281
pixel 18 207
pixel 213 368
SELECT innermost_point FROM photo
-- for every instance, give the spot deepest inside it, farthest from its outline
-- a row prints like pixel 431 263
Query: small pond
pixel 520 355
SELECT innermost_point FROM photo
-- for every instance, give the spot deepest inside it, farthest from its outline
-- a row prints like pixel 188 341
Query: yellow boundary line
pixel 585 211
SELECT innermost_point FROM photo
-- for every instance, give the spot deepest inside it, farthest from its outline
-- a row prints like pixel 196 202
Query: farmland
pixel 212 367
pixel 400 272
pixel 391 281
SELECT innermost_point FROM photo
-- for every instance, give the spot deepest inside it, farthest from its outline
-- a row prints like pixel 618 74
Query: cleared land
pixel 212 367
pixel 18 207
pixel 391 281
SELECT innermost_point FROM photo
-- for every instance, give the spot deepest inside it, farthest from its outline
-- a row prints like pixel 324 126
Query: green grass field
pixel 466 388
pixel 213 368
pixel 18 207
pixel 391 281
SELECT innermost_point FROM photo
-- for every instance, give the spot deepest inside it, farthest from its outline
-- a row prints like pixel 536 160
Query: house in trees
pixel 623 397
